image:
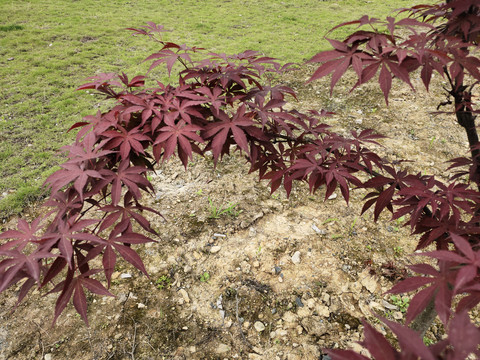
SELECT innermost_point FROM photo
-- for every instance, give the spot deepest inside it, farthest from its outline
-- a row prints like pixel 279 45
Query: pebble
pixel 223 348
pixel 141 306
pixel 256 264
pixel 299 302
pixel 48 357
pixel 333 196
pixel 184 295
pixel 296 258
pixel 259 326
pixel 125 276
pixel 317 230
pixel 219 236
pixel 277 270
pixel 215 249
pixel 187 269
pixel 280 279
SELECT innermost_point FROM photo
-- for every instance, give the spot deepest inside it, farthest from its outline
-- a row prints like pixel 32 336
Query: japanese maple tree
pixel 442 38
pixel 221 103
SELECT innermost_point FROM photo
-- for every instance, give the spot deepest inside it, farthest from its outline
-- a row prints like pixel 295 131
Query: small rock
pixel 192 349
pixel 277 270
pixel 187 269
pixel 184 295
pixel 296 258
pixel 216 235
pixel 252 231
pixel 299 302
pixel 256 264
pixel 215 249
pixel 314 326
pixel 322 310
pixel 280 279
pixel 125 276
pixel 222 349
pixel 317 230
pixel 333 196
pixel 388 305
pixel 141 306
pixel 48 357
pixel 326 298
pixel 397 315
pixel 368 281
pixel 259 326
pixel 358 121
pixel 10 59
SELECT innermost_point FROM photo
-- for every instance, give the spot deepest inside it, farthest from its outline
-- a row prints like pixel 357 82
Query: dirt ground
pixel 241 274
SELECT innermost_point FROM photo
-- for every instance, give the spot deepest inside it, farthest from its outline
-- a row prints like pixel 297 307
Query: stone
pixel 322 310
pixel 296 258
pixel 332 197
pixel 184 295
pixel 222 349
pixel 259 326
pixel 314 326
pixel 368 282
pixel 215 249
pixel 48 357
pixel 141 306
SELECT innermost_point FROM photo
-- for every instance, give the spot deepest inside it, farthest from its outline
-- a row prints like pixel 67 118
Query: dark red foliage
pixel 224 103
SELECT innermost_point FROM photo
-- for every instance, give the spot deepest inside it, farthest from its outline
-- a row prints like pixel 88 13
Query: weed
pixel 205 277
pixel 427 341
pixel 401 302
pixel 398 251
pixel 163 282
pixel 217 211
pixel 329 220
pixel 352 226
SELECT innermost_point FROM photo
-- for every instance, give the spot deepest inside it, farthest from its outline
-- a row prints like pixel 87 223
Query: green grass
pixel 48 48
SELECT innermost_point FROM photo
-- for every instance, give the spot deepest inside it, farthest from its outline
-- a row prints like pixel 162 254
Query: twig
pixel 134 345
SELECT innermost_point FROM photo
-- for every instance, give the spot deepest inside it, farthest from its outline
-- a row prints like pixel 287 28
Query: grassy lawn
pixel 48 48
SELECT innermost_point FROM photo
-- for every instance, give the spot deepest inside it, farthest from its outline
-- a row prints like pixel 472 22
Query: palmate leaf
pixel 440 288
pixel 131 177
pixel 125 141
pixel 178 136
pixel 218 131
pixel 117 241
pixel 74 285
pixel 24 234
pixel 64 234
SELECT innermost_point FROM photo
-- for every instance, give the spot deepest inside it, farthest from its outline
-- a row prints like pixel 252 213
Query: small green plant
pixel 427 341
pixel 329 220
pixel 199 192
pixel 398 223
pixel 368 247
pixel 352 226
pixel 217 211
pixel 400 302
pixel 163 282
pixel 398 251
pixel 431 141
pixel 205 277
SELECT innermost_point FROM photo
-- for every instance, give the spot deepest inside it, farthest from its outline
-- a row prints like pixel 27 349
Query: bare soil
pixel 269 278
